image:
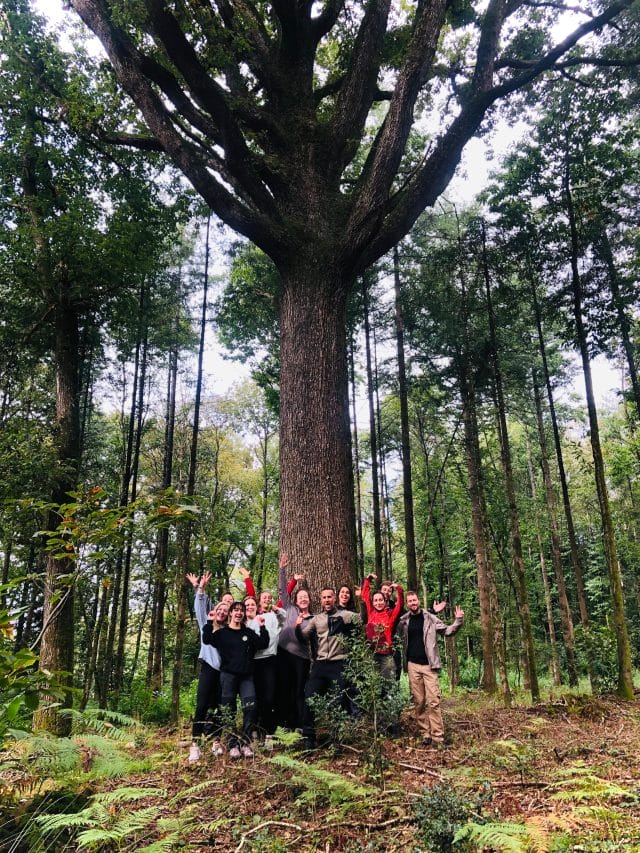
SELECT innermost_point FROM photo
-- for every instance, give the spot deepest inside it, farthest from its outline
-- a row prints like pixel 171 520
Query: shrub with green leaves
pixel 442 811
pixel 596 649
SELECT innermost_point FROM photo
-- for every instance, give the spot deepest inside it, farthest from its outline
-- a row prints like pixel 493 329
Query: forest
pixel 249 322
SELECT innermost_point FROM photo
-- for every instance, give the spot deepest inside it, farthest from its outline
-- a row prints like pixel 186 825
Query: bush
pixel 442 811
pixel 596 649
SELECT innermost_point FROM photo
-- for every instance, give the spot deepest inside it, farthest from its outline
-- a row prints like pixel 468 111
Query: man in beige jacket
pixel 418 631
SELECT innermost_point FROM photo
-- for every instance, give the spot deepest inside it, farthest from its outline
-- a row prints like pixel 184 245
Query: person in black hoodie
pixel 237 645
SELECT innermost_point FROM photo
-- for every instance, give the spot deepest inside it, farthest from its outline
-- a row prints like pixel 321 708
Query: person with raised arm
pixel 328 628
pixel 294 654
pixel 208 691
pixel 264 665
pixel 381 624
pixel 418 630
pixel 237 645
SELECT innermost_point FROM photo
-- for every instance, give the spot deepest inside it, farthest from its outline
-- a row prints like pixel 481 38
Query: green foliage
pixel 20 683
pixel 579 784
pixel 107 819
pixel 596 649
pixel 317 785
pixel 442 811
pixel 503 836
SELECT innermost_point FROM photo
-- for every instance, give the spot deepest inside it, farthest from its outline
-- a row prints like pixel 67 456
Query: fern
pixel 108 724
pixel 504 836
pixel 127 795
pixel 339 789
pixel 195 789
pixel 582 785
pixel 125 825
pixel 286 739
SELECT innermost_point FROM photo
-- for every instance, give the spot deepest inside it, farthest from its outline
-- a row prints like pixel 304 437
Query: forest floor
pixel 563 775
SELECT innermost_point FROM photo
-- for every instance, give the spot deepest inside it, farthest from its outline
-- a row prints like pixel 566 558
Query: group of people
pixel 275 657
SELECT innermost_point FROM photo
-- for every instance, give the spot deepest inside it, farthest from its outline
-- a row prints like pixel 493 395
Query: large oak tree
pixel 270 111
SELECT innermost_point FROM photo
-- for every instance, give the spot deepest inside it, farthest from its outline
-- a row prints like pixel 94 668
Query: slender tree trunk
pixel 566 618
pixel 373 440
pixel 356 466
pixel 6 565
pixel 553 645
pixel 488 616
pixel 184 549
pixel 156 627
pixel 514 521
pixel 98 633
pixel 382 467
pixel 135 464
pixel 604 248
pixel 625 680
pixel 407 485
pixel 576 564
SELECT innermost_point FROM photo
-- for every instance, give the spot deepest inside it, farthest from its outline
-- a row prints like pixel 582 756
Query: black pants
pixel 292 675
pixel 232 686
pixel 264 678
pixel 324 676
pixel 207 699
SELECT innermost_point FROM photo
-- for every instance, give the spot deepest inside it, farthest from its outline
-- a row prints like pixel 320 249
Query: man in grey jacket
pixel 418 631
pixel 327 628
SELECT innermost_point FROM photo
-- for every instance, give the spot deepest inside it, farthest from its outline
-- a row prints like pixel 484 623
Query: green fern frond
pixel 126 825
pixel 187 793
pixel 599 813
pixel 109 724
pixel 169 842
pixel 286 739
pixel 500 836
pixel 337 785
pixel 52 822
pixel 127 795
pixel 589 787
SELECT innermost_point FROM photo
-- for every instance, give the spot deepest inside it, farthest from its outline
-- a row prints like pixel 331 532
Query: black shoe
pixel 308 743
pixel 426 741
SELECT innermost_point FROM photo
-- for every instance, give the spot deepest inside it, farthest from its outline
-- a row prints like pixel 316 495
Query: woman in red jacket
pixel 381 623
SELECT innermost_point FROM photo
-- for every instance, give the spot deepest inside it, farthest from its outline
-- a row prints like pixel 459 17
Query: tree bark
pixel 356 467
pixel 625 679
pixel 373 440
pixel 507 467
pixel 407 484
pixel 566 618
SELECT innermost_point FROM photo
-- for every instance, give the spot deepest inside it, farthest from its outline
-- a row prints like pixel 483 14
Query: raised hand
pixel 299 577
pixel 283 562
pixel 458 612
pixel 204 580
pixel 193 579
pixel 244 572
pixel 439 606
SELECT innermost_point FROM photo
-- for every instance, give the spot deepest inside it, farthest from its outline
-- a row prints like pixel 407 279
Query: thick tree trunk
pixel 566 618
pixel 407 485
pixel 57 643
pixel 625 679
pixel 317 518
pixel 385 520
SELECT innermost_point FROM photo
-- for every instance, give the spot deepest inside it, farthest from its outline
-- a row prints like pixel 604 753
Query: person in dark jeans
pixel 237 645
pixel 328 628
pixel 208 693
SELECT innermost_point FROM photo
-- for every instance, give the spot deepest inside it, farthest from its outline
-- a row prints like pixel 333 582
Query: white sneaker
pixel 234 752
pixel 194 753
pixel 247 752
pixel 217 748
pixel 268 743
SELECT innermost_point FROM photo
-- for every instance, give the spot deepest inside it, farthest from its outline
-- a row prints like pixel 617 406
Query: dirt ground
pixel 567 770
